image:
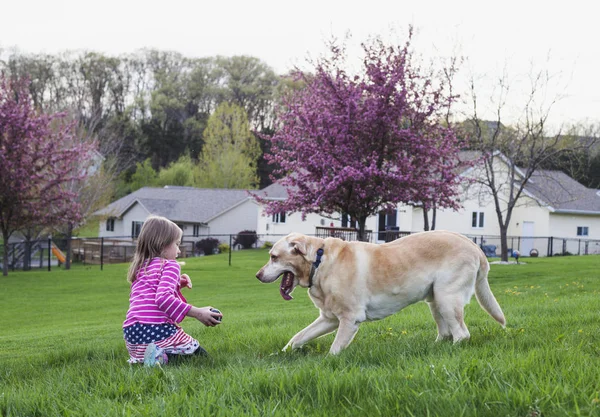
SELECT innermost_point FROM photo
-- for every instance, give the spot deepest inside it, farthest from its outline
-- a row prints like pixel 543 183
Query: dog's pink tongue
pixel 286 285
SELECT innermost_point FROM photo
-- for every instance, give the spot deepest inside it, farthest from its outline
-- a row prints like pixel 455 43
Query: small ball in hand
pixel 214 310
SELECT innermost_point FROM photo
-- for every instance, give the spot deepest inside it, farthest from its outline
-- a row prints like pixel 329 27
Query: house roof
pixel 275 191
pixel 562 193
pixel 552 188
pixel 179 204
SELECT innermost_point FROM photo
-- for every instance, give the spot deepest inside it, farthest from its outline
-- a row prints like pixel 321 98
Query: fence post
pixel 230 248
pixel 13 256
pixel 586 247
pixel 101 253
pixel 49 250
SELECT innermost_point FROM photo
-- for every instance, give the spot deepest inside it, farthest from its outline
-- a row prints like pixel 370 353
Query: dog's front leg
pixel 319 327
pixel 346 332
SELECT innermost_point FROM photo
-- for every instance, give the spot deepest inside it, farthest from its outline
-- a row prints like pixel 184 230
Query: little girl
pixel 156 305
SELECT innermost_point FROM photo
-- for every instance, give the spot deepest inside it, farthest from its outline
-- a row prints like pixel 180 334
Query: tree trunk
pixel 27 254
pixel 69 241
pixel 5 237
pixel 433 217
pixel 362 235
pixel 503 243
pixel 425 219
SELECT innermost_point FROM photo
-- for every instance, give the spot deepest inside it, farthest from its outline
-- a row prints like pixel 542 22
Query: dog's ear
pixel 298 247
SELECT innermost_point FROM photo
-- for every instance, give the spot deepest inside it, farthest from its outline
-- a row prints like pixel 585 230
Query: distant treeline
pixel 155 105
pixel 149 104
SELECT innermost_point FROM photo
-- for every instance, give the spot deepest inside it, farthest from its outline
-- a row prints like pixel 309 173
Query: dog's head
pixel 291 257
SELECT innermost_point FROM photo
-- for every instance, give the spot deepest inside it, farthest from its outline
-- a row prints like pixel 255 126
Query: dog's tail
pixel 484 294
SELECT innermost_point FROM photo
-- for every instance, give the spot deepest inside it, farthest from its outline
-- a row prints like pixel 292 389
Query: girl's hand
pixel 185 281
pixel 205 316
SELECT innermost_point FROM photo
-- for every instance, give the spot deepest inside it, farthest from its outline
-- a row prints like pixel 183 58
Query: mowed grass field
pixel 62 351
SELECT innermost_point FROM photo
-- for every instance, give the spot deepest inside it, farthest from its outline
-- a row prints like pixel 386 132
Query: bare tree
pixel 511 155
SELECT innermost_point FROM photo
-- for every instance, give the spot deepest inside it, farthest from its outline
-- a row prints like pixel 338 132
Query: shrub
pixel 267 245
pixel 223 248
pixel 246 238
pixel 208 245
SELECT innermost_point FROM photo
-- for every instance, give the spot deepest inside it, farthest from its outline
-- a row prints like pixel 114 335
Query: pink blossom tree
pixel 358 144
pixel 38 156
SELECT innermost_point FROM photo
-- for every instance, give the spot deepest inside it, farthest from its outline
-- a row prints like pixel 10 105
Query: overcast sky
pixel 494 36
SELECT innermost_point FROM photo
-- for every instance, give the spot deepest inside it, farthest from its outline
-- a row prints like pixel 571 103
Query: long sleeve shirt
pixel 155 296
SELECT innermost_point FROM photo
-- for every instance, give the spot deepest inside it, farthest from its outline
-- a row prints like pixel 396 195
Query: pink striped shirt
pixel 155 296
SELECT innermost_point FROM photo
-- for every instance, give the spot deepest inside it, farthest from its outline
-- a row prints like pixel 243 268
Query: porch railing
pixel 344 233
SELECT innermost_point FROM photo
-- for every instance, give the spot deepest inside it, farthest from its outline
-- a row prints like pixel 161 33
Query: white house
pixel 553 205
pixel 199 212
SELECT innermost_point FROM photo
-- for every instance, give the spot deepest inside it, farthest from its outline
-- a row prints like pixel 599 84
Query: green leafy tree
pixel 177 104
pixel 251 84
pixel 144 175
pixel 180 172
pixel 231 151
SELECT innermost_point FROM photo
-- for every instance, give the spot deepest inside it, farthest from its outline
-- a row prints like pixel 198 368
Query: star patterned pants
pixel 169 337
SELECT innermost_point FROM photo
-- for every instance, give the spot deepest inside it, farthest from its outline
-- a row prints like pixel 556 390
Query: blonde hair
pixel 157 233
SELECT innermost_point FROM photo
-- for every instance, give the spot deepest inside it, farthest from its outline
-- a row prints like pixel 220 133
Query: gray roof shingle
pixel 275 191
pixel 180 204
pixel 562 192
pixel 555 188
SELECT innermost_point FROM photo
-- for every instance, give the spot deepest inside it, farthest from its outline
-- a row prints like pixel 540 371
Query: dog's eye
pixel 273 257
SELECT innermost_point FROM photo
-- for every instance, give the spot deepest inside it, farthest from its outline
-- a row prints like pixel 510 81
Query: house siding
pixel 531 212
pixel 565 225
pixel 272 231
pixel 123 225
pixel 241 217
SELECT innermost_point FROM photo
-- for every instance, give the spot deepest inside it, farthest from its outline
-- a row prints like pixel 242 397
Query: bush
pixel 223 248
pixel 246 239
pixel 208 245
pixel 267 245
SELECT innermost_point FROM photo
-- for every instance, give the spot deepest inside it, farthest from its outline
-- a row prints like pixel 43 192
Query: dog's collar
pixel 314 267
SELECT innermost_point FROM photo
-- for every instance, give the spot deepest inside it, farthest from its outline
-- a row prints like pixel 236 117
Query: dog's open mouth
pixel 287 285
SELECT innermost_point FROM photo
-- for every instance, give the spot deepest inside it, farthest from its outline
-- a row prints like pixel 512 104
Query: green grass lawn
pixel 62 351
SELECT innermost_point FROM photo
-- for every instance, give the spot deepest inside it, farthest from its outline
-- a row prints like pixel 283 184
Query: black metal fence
pixel 538 246
pixel 49 252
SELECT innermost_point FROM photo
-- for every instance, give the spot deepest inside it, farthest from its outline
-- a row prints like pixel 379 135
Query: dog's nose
pixel 259 274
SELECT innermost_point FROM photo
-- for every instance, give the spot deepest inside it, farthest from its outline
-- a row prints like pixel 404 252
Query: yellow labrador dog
pixel 353 282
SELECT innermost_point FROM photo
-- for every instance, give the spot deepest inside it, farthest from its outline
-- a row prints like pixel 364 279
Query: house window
pixel 136 227
pixel 279 217
pixel 348 221
pixel 196 231
pixel 582 231
pixel 387 222
pixel 477 221
pixel 110 225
